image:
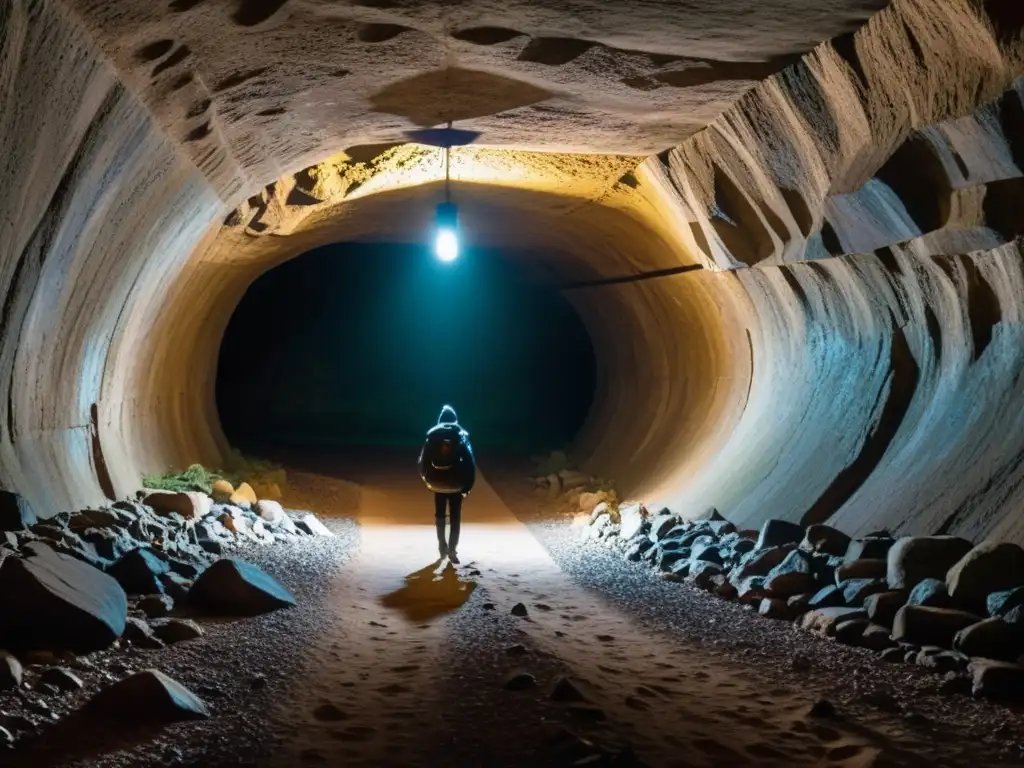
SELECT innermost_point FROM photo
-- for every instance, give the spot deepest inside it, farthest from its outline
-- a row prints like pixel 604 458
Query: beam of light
pixel 446 246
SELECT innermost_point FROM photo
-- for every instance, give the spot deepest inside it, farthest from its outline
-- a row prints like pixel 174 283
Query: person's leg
pixel 455 508
pixel 440 502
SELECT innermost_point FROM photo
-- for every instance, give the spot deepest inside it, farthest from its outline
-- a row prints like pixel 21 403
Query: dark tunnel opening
pixel 358 345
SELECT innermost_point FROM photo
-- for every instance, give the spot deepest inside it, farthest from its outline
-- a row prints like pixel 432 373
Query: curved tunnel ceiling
pixel 849 349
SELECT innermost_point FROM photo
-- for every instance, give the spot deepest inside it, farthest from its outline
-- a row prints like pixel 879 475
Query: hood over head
pixel 447 416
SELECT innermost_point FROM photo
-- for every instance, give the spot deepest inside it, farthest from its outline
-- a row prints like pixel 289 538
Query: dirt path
pixel 375 690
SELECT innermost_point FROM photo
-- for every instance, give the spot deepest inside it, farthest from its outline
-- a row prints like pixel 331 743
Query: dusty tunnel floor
pixel 392 660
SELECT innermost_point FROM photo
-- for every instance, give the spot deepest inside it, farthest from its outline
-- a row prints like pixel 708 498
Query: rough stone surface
pixel 10 671
pixel 826 539
pixel 997 679
pixel 775 533
pixel 882 607
pixel 989 567
pixel 15 512
pixel 190 505
pixel 138 572
pixel 992 639
pixel 923 625
pixel 51 600
pixel 913 559
pixel 932 593
pixel 862 569
pixel 825 620
pixel 790 577
pixel 234 587
pixel 149 696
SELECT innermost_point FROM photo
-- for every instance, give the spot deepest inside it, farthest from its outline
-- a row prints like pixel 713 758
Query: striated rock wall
pixel 848 347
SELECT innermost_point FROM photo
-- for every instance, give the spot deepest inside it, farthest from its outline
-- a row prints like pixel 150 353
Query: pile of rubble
pixel 135 574
pixel 941 602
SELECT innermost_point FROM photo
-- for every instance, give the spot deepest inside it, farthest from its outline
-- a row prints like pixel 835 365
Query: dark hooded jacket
pixel 454 471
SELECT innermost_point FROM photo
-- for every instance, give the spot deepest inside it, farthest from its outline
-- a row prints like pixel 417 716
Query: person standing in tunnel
pixel 448 468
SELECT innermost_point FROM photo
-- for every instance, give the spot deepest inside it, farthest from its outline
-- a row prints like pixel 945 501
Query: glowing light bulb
pixel 447 244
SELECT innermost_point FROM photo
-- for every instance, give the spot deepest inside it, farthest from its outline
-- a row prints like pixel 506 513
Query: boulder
pixel 856 591
pixel 244 496
pixel 662 524
pixel 15 512
pixel 851 631
pixel 862 569
pixel 587 501
pixel 109 543
pixel 751 591
pixel 997 679
pixel 637 548
pixel 939 659
pixel 877 638
pixel 743 546
pixel 669 557
pixel 869 548
pixel 776 608
pixel 633 518
pixel 827 597
pixel 139 633
pixel 775 533
pixel 760 562
pixel 913 559
pixel 601 510
pixel 825 620
pixel 931 593
pixel 1001 603
pixel 720 527
pixel 826 539
pixel 11 671
pixel 139 571
pixel 147 697
pixel 222 491
pixel 191 505
pixel 700 573
pixel 790 577
pixel 725 589
pixel 310 524
pixel 51 600
pixel 989 567
pixel 233 587
pixel 882 606
pixel 708 552
pixel 799 603
pixel 61 679
pixel 155 606
pixel 991 639
pixel 923 625
pixel 173 631
pixel 270 511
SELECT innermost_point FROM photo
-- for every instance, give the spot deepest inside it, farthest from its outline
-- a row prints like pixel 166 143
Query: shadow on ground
pixel 430 592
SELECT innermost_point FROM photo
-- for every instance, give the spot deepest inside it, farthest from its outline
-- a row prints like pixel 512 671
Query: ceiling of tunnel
pixel 254 89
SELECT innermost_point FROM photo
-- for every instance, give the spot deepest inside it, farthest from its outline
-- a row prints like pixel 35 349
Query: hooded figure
pixel 448 469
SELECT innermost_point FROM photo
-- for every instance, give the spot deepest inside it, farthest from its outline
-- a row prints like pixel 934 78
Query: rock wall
pixel 846 347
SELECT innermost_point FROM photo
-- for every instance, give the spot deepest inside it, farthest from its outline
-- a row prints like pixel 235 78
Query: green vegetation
pixel 198 478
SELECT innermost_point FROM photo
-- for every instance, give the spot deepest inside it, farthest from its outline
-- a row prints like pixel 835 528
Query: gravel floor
pixel 864 688
pixel 239 668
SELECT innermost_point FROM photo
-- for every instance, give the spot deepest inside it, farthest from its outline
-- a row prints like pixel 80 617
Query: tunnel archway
pixel 357 344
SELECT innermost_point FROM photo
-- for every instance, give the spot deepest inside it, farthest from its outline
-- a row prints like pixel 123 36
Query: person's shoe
pixel 453 557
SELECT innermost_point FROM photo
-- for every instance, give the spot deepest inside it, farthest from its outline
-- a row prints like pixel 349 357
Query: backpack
pixel 443 447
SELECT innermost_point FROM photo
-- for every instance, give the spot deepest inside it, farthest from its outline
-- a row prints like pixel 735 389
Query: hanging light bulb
pixel 446 242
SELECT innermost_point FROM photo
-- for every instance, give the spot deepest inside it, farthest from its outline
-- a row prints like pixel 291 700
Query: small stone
pixel 62 679
pixel 244 496
pixel 235 587
pixel 520 681
pixel 801 662
pixel 882 606
pixel 893 654
pixel 173 631
pixel 156 606
pixel 310 524
pixel 516 650
pixel 222 491
pixel 877 638
pixel 140 634
pixel 519 610
pixel 11 671
pixel 850 632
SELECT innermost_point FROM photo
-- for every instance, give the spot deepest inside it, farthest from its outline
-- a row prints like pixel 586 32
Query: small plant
pixel 195 478
pixel 199 478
